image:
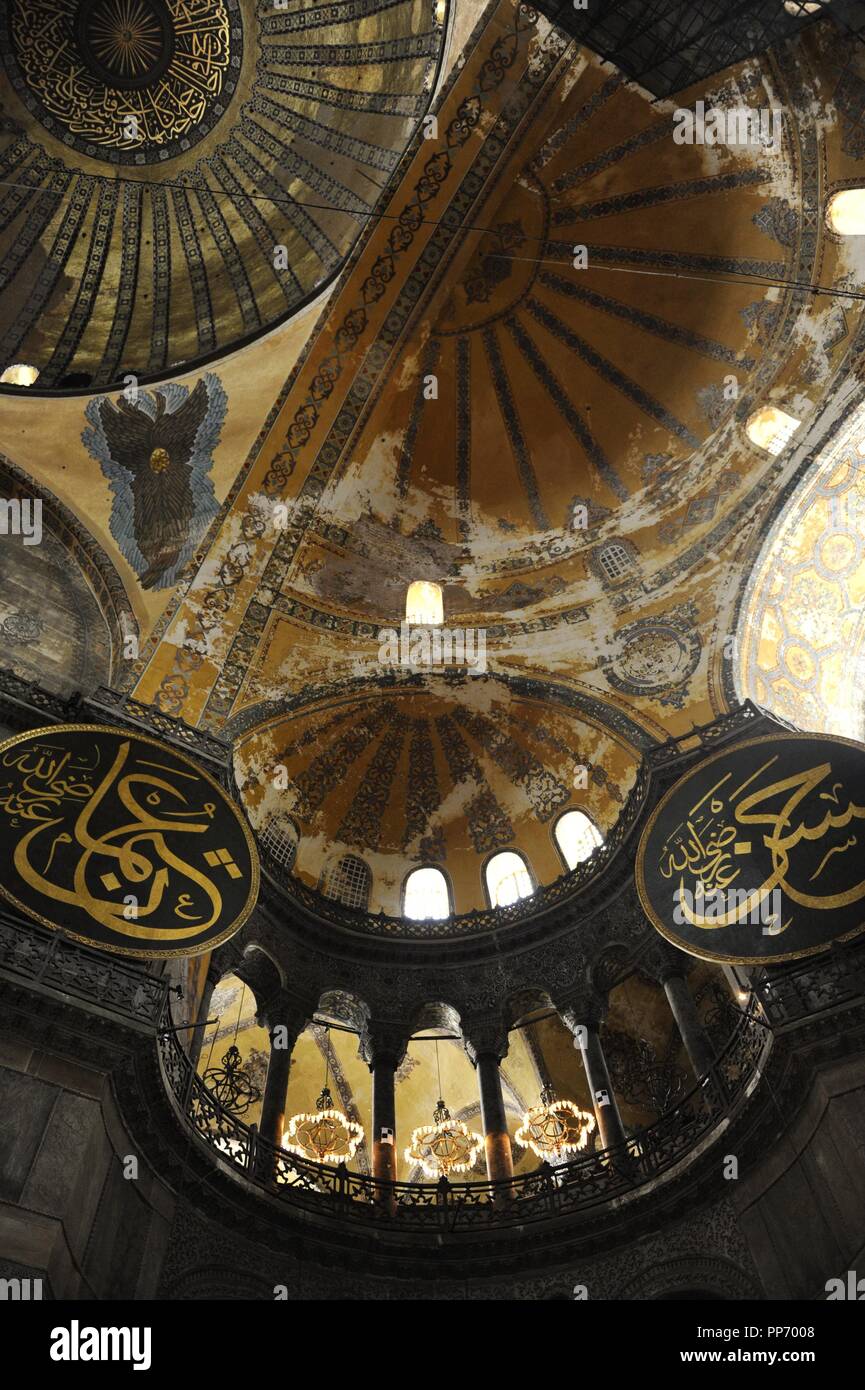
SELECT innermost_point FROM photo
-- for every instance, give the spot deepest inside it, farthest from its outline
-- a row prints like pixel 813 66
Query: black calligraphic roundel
pixel 122 842
pixel 756 855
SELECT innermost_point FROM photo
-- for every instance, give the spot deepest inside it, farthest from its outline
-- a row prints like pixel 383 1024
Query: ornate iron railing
pixel 803 990
pixel 28 704
pixel 110 984
pixel 573 1187
pixel 122 708
pixel 24 702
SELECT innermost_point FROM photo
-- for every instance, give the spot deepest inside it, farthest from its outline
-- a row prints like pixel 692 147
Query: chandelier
pixel 555 1128
pixel 326 1135
pixel 231 1084
pixel 446 1146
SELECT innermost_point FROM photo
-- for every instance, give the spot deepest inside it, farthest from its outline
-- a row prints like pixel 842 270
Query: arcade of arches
pixel 292 347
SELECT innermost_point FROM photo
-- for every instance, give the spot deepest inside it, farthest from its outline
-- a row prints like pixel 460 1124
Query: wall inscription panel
pixel 755 855
pixel 122 842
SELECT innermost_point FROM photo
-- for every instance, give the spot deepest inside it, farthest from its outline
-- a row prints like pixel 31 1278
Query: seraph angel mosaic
pixel 156 450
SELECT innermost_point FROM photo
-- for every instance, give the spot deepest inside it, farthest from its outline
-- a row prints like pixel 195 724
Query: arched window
pixel 424 604
pixel 279 839
pixel 19 374
pixel 771 429
pixel 577 837
pixel 801 9
pixel 846 212
pixel 426 895
pixel 615 559
pixel 348 880
pixel 508 879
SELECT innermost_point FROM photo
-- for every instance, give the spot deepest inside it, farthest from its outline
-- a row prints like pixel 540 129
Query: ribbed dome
pixel 424 772
pixel 183 173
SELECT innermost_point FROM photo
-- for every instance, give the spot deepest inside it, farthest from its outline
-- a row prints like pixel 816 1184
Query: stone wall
pixel 67 1213
pixel 802 1210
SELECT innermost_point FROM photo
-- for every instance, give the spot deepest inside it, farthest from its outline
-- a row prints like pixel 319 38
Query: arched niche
pixel 65 619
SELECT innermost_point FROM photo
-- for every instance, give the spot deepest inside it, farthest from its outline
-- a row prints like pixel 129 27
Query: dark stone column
pixel 383 1048
pixel 697 1045
pixel 669 967
pixel 196 1035
pixel 383 1144
pixel 285 1020
pixel 486 1048
pixel 584 1026
pixel 497 1142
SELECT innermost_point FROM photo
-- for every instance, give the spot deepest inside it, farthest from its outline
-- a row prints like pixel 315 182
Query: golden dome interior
pixel 563 450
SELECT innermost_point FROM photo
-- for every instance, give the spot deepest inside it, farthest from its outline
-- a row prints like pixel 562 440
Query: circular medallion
pixel 656 656
pixel 755 855
pixel 505 264
pixel 122 842
pixel 125 43
pixel 131 81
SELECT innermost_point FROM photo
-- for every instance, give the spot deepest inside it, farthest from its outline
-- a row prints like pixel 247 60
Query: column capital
pixel 223 961
pixel 214 975
pixel 285 1010
pixel 487 1037
pixel 383 1043
pixel 588 1009
pixel 663 962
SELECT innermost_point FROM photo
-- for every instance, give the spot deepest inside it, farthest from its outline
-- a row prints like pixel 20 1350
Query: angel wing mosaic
pixel 156 450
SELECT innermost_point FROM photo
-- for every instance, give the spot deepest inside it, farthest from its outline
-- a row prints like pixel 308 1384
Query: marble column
pixel 383 1048
pixel 584 1025
pixel 196 1034
pixel 383 1070
pixel 486 1049
pixel 669 968
pixel 284 1020
pixel 697 1045
pixel 497 1143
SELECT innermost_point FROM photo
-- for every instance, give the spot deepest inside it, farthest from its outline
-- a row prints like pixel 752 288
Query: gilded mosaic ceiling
pixel 802 631
pixel 133 81
pixel 561 447
pixel 178 175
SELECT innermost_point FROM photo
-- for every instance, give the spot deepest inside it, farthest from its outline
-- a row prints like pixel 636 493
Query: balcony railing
pixel 105 984
pixel 804 989
pixel 548 1192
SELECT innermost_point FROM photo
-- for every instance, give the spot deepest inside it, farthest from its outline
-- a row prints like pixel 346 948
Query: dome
pixel 433 773
pixel 187 173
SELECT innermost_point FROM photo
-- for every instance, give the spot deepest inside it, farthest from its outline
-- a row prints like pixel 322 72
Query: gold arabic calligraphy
pixel 155 114
pixel 55 794
pixel 716 831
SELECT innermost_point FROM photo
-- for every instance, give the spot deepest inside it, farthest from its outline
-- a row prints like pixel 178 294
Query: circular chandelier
pixel 326 1135
pixel 444 1147
pixel 555 1128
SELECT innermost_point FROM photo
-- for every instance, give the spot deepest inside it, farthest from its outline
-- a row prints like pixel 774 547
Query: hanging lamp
pixel 555 1128
pixel 326 1135
pixel 447 1145
pixel 231 1084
